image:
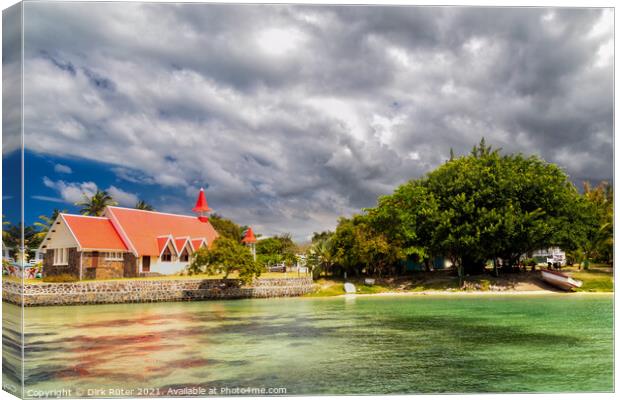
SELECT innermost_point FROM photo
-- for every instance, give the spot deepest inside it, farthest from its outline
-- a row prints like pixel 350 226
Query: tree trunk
pixel 471 266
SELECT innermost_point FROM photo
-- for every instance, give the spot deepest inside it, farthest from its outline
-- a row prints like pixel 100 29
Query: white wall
pixel 167 268
pixel 60 239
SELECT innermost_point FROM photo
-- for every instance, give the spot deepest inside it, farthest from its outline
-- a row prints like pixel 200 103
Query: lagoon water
pixel 404 344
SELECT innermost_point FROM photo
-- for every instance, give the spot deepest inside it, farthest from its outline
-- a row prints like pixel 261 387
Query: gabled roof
pixel 181 242
pixel 162 244
pixel 142 228
pixel 198 243
pixel 94 233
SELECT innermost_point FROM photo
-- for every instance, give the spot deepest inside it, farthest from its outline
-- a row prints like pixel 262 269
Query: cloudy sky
pixel 294 115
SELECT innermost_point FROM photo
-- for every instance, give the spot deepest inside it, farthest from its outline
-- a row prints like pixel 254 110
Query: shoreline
pixel 470 293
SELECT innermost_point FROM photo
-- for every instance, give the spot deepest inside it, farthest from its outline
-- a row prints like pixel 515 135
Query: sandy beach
pixel 476 293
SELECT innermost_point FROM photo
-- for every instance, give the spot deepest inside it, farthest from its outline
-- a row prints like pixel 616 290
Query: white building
pixel 550 255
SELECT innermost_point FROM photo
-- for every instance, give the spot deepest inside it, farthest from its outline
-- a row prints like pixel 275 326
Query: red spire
pixel 201 204
pixel 249 237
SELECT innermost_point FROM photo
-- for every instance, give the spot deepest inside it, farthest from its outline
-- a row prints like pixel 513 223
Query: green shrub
pixel 60 278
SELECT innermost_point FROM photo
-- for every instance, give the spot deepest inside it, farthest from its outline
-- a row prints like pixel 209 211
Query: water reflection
pixel 338 346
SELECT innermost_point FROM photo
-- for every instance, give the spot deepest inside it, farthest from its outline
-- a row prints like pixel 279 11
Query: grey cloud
pixel 11 79
pixel 295 115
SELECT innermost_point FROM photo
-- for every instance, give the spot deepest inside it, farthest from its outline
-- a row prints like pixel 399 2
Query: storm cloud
pixel 295 115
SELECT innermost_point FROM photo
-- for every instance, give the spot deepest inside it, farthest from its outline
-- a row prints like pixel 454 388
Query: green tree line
pixel 485 206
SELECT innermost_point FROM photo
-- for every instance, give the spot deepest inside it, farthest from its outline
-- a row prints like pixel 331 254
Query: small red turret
pixel 249 237
pixel 202 208
pixel 250 240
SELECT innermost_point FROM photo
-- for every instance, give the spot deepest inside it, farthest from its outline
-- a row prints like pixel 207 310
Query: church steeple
pixel 202 208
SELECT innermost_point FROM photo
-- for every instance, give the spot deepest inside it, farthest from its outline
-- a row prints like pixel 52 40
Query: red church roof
pixel 94 233
pixel 201 203
pixel 197 243
pixel 162 243
pixel 249 237
pixel 142 228
pixel 180 243
pixel 144 233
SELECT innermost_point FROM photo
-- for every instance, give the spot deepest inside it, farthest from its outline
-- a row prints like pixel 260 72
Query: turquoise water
pixel 422 344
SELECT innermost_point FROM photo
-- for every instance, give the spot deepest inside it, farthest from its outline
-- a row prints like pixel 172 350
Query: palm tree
pixel 143 205
pixel 320 257
pixel 5 224
pixel 46 223
pixel 13 238
pixel 96 204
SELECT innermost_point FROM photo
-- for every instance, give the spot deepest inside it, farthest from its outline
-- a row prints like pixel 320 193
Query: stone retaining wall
pixel 146 291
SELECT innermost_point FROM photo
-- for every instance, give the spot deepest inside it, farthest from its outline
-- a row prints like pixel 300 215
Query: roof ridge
pixel 83 216
pixel 142 229
pixel 152 212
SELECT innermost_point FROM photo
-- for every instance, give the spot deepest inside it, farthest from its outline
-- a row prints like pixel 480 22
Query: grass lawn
pixel 327 288
pixel 413 283
pixel 598 278
pixel 335 287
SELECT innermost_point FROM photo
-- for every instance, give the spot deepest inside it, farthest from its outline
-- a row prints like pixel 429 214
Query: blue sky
pixel 305 114
pixel 57 182
pixel 54 182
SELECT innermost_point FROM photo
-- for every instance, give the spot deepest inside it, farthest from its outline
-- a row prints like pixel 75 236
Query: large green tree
pixel 408 218
pixel 277 249
pixel 482 207
pixel 226 255
pixel 358 247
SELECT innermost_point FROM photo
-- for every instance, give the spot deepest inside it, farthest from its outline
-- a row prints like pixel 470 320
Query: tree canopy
pixel 226 256
pixel 596 241
pixel 359 245
pixel 277 249
pixel 483 206
pixel 474 208
pixel 226 227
